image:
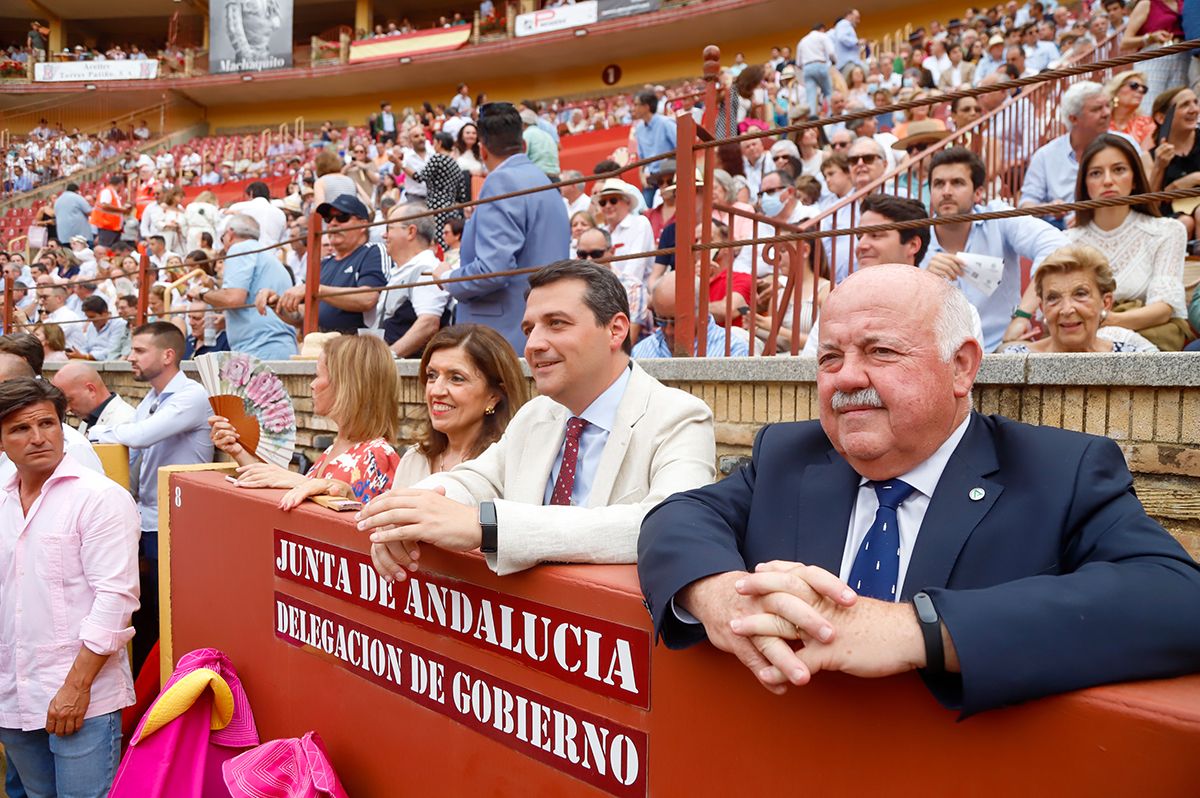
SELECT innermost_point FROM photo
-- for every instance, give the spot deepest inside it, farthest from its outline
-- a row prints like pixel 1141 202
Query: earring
pixel 489 410
pixel 1103 315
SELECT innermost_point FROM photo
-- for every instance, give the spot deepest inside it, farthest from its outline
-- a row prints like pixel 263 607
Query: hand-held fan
pixel 244 390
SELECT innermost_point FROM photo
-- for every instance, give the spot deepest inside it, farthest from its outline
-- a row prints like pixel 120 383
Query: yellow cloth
pixel 179 697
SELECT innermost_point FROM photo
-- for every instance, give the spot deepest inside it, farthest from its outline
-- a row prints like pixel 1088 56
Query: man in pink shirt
pixel 68 585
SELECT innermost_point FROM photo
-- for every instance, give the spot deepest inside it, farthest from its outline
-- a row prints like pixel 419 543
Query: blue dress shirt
pixel 656 345
pixel 1010 239
pixel 100 343
pixel 600 416
pixel 168 428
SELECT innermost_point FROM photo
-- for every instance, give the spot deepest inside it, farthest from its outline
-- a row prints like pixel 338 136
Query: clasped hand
pixel 759 617
pixel 401 519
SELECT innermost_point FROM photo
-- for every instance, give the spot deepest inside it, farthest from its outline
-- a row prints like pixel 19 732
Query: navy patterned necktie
pixel 876 569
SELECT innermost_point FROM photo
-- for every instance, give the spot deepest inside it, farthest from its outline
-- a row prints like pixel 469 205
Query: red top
pixel 1159 17
pixel 742 284
pixel 368 468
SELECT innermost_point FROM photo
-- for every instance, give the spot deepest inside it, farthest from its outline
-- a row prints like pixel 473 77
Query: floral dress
pixel 367 467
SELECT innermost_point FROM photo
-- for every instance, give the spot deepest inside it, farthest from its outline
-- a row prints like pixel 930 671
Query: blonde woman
pixel 356 387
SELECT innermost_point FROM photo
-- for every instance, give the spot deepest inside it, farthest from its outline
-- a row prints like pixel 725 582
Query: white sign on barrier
pixel 560 18
pixel 88 71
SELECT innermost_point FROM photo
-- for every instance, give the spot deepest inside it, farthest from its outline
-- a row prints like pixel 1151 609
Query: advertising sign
pixel 249 35
pixel 93 71
pixel 560 18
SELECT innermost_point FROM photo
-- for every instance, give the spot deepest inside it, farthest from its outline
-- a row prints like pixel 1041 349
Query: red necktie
pixel 566 472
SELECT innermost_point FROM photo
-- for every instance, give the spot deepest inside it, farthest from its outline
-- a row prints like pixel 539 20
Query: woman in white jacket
pixel 201 217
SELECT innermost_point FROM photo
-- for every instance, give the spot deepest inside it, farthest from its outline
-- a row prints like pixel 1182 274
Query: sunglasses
pixel 336 216
pixel 770 192
pixel 608 201
pixel 867 159
pixel 1138 87
pixel 589 254
pixel 663 321
pixel 837 145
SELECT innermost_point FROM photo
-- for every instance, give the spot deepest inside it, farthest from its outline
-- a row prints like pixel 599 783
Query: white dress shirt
pixel 910 514
pixel 600 416
pixel 272 222
pixel 72 323
pixel 631 235
pixel 169 428
pixel 814 47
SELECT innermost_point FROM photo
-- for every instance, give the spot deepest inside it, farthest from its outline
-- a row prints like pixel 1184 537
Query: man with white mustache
pixel 579 466
pixel 904 531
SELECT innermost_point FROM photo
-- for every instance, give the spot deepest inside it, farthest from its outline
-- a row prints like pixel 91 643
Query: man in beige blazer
pixel 579 466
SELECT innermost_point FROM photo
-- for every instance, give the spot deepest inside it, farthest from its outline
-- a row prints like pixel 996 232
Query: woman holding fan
pixel 357 388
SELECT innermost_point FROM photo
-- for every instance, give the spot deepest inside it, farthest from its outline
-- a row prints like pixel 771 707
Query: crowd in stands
pixel 237 277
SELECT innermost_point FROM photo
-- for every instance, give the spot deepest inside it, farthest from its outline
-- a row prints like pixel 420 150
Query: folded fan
pixel 244 390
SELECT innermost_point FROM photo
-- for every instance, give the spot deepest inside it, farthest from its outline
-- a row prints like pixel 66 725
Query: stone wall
pixel 1149 404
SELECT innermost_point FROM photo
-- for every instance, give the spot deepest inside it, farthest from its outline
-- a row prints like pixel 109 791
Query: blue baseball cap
pixel 346 203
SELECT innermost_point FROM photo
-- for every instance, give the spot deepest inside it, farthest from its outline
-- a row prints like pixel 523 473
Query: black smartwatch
pixel 931 630
pixel 487 526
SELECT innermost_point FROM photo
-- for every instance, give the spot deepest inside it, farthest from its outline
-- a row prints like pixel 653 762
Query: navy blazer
pixel 1055 580
pixel 532 230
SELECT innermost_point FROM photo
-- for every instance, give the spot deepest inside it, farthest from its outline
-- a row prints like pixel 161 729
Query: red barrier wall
pixel 585 150
pixel 235 191
pixel 550 729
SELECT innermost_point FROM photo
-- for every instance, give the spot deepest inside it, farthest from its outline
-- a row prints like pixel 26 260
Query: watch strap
pixel 487 527
pixel 931 630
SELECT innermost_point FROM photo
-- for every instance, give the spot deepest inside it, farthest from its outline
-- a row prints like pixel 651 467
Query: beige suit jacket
pixel 662 442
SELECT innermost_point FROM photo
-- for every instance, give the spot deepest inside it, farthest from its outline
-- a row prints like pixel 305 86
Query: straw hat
pixel 615 185
pixel 921 132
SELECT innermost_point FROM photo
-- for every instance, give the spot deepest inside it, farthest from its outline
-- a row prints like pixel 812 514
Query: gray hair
pixel 874 141
pixel 725 181
pixel 570 174
pixel 426 226
pixel 1074 98
pixel 243 226
pixel 954 323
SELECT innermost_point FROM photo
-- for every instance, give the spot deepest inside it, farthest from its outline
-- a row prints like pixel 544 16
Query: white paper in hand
pixel 982 272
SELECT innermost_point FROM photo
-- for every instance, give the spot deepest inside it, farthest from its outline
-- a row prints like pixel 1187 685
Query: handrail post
pixel 9 324
pixel 712 71
pixel 144 283
pixel 312 280
pixel 685 236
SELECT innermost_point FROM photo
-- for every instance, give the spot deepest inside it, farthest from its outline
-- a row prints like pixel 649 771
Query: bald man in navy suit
pixel 904 531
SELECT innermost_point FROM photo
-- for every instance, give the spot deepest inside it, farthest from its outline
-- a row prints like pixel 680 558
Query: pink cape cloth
pixel 200 720
pixel 292 768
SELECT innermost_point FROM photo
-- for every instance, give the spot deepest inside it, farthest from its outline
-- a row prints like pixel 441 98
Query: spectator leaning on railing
pixel 353 264
pixel 265 335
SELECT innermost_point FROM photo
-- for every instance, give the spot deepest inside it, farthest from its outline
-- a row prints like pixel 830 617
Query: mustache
pixel 866 397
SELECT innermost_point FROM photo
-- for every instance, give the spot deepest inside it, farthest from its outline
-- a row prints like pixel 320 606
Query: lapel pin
pixel 976 494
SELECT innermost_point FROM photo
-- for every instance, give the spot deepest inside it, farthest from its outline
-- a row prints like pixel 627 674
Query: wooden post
pixel 312 280
pixel 685 236
pixel 475 28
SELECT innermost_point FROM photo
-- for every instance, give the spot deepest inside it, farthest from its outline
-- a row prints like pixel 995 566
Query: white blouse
pixel 1146 256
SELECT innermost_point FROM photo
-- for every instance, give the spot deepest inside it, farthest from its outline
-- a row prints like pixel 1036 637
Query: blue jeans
pixel 816 76
pixel 82 765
